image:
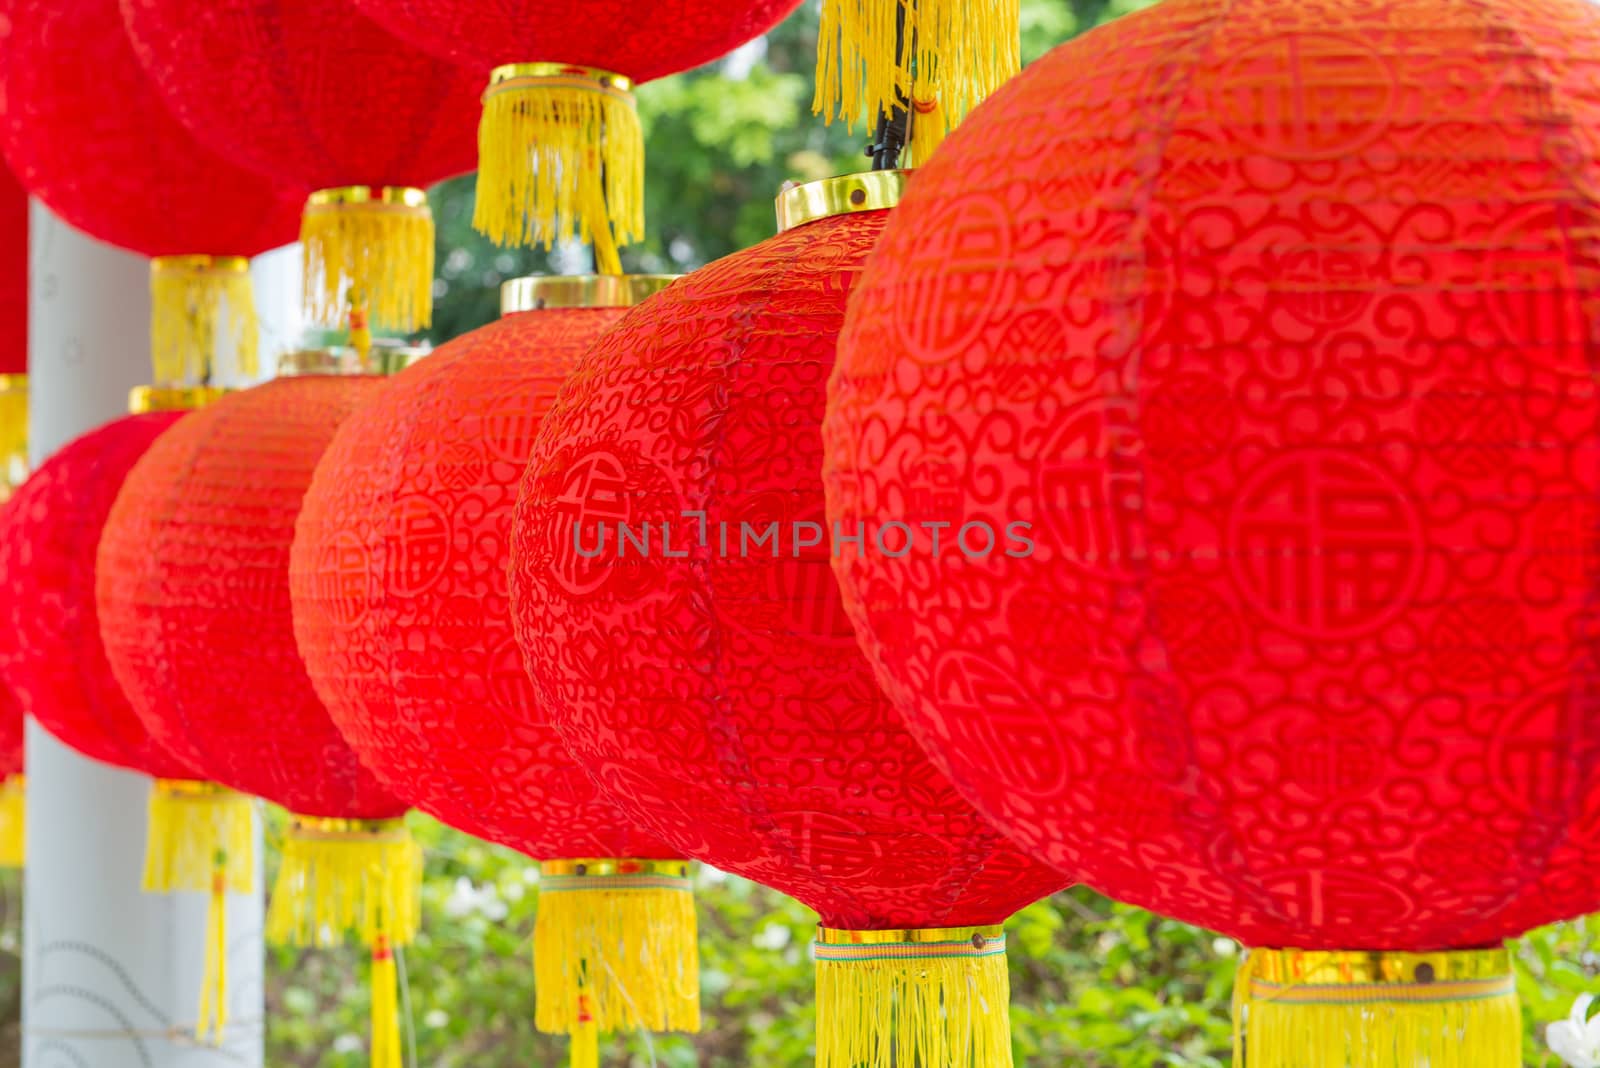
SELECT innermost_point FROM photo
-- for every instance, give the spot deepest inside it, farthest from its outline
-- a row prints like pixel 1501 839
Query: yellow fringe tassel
pixel 1312 1009
pixel 372 246
pixel 340 877
pixel 956 53
pixel 913 999
pixel 615 946
pixel 187 297
pixel 13 433
pixel 386 1051
pixel 201 836
pixel 14 821
pixel 560 153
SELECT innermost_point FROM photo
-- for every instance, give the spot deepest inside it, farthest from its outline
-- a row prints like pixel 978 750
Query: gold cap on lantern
pixel 560 155
pixel 546 292
pixel 144 399
pixel 826 197
pixel 384 356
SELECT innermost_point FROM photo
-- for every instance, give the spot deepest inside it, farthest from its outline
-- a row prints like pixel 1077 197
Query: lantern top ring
pixel 145 399
pixel 200 264
pixel 397 197
pixel 844 195
pixel 548 292
pixel 386 356
pixel 526 75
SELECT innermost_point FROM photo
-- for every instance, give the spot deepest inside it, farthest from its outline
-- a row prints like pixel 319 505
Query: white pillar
pixel 111 975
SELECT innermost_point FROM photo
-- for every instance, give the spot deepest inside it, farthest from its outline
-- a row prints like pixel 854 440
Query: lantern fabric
pixel 335 105
pixel 1279 346
pixel 402 615
pixel 13 283
pixel 715 691
pixel 52 656
pixel 559 109
pixel 132 176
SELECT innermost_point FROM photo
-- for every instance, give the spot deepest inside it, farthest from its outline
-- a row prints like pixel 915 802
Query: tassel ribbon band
pixel 1298 1008
pixel 928 998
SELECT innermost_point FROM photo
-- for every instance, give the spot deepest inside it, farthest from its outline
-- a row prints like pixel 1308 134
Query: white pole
pixel 111 975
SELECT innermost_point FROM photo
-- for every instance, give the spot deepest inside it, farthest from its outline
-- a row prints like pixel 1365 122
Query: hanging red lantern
pixel 1272 327
pixel 13 282
pixel 710 681
pixel 130 175
pixel 402 614
pixel 335 105
pixel 193 597
pixel 560 148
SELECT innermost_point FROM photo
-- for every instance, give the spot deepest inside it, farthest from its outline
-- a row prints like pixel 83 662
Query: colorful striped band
pixel 563 884
pixel 982 942
pixel 1368 993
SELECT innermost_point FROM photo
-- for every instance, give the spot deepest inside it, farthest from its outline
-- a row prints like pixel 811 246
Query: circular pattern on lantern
pixel 1293 403
pixel 640 41
pixel 697 662
pixel 130 174
pixel 50 649
pixel 194 598
pixel 401 607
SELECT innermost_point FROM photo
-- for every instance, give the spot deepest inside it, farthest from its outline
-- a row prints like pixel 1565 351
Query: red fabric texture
pixel 50 649
pixel 86 132
pixel 641 41
pixel 401 606
pixel 309 90
pixel 13 275
pixel 11 731
pixel 194 598
pixel 720 698
pixel 1276 324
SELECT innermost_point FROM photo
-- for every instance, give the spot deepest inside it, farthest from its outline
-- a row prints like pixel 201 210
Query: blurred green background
pixel 1094 984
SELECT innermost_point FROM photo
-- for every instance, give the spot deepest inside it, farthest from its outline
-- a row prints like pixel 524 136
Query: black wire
pixel 890 139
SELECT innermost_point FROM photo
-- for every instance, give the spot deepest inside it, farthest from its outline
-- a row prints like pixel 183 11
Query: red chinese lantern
pixel 1272 328
pixel 335 105
pixel 672 597
pixel 193 596
pixel 13 289
pixel 560 149
pixel 402 613
pixel 130 175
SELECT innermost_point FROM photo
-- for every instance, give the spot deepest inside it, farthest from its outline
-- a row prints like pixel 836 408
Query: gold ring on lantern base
pixel 145 399
pixel 387 356
pixel 548 292
pixel 200 265
pixel 376 197
pixel 512 76
pixel 844 195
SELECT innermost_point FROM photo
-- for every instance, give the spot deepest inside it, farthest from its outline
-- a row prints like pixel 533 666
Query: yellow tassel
pixel 913 999
pixel 188 295
pixel 13 433
pixel 190 823
pixel 585 1046
pixel 14 821
pixel 1312 1009
pixel 339 877
pixel 956 53
pixel 386 1051
pixel 202 837
pixel 615 944
pixel 560 153
pixel 213 1018
pixel 373 242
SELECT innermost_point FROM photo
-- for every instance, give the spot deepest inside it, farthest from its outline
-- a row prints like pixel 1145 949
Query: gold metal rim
pixel 200 265
pixel 387 356
pixel 844 195
pixel 831 936
pixel 325 828
pixel 601 867
pixel 388 197
pixel 195 788
pixel 1303 967
pixel 507 75
pixel 143 400
pixel 13 383
pixel 548 292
